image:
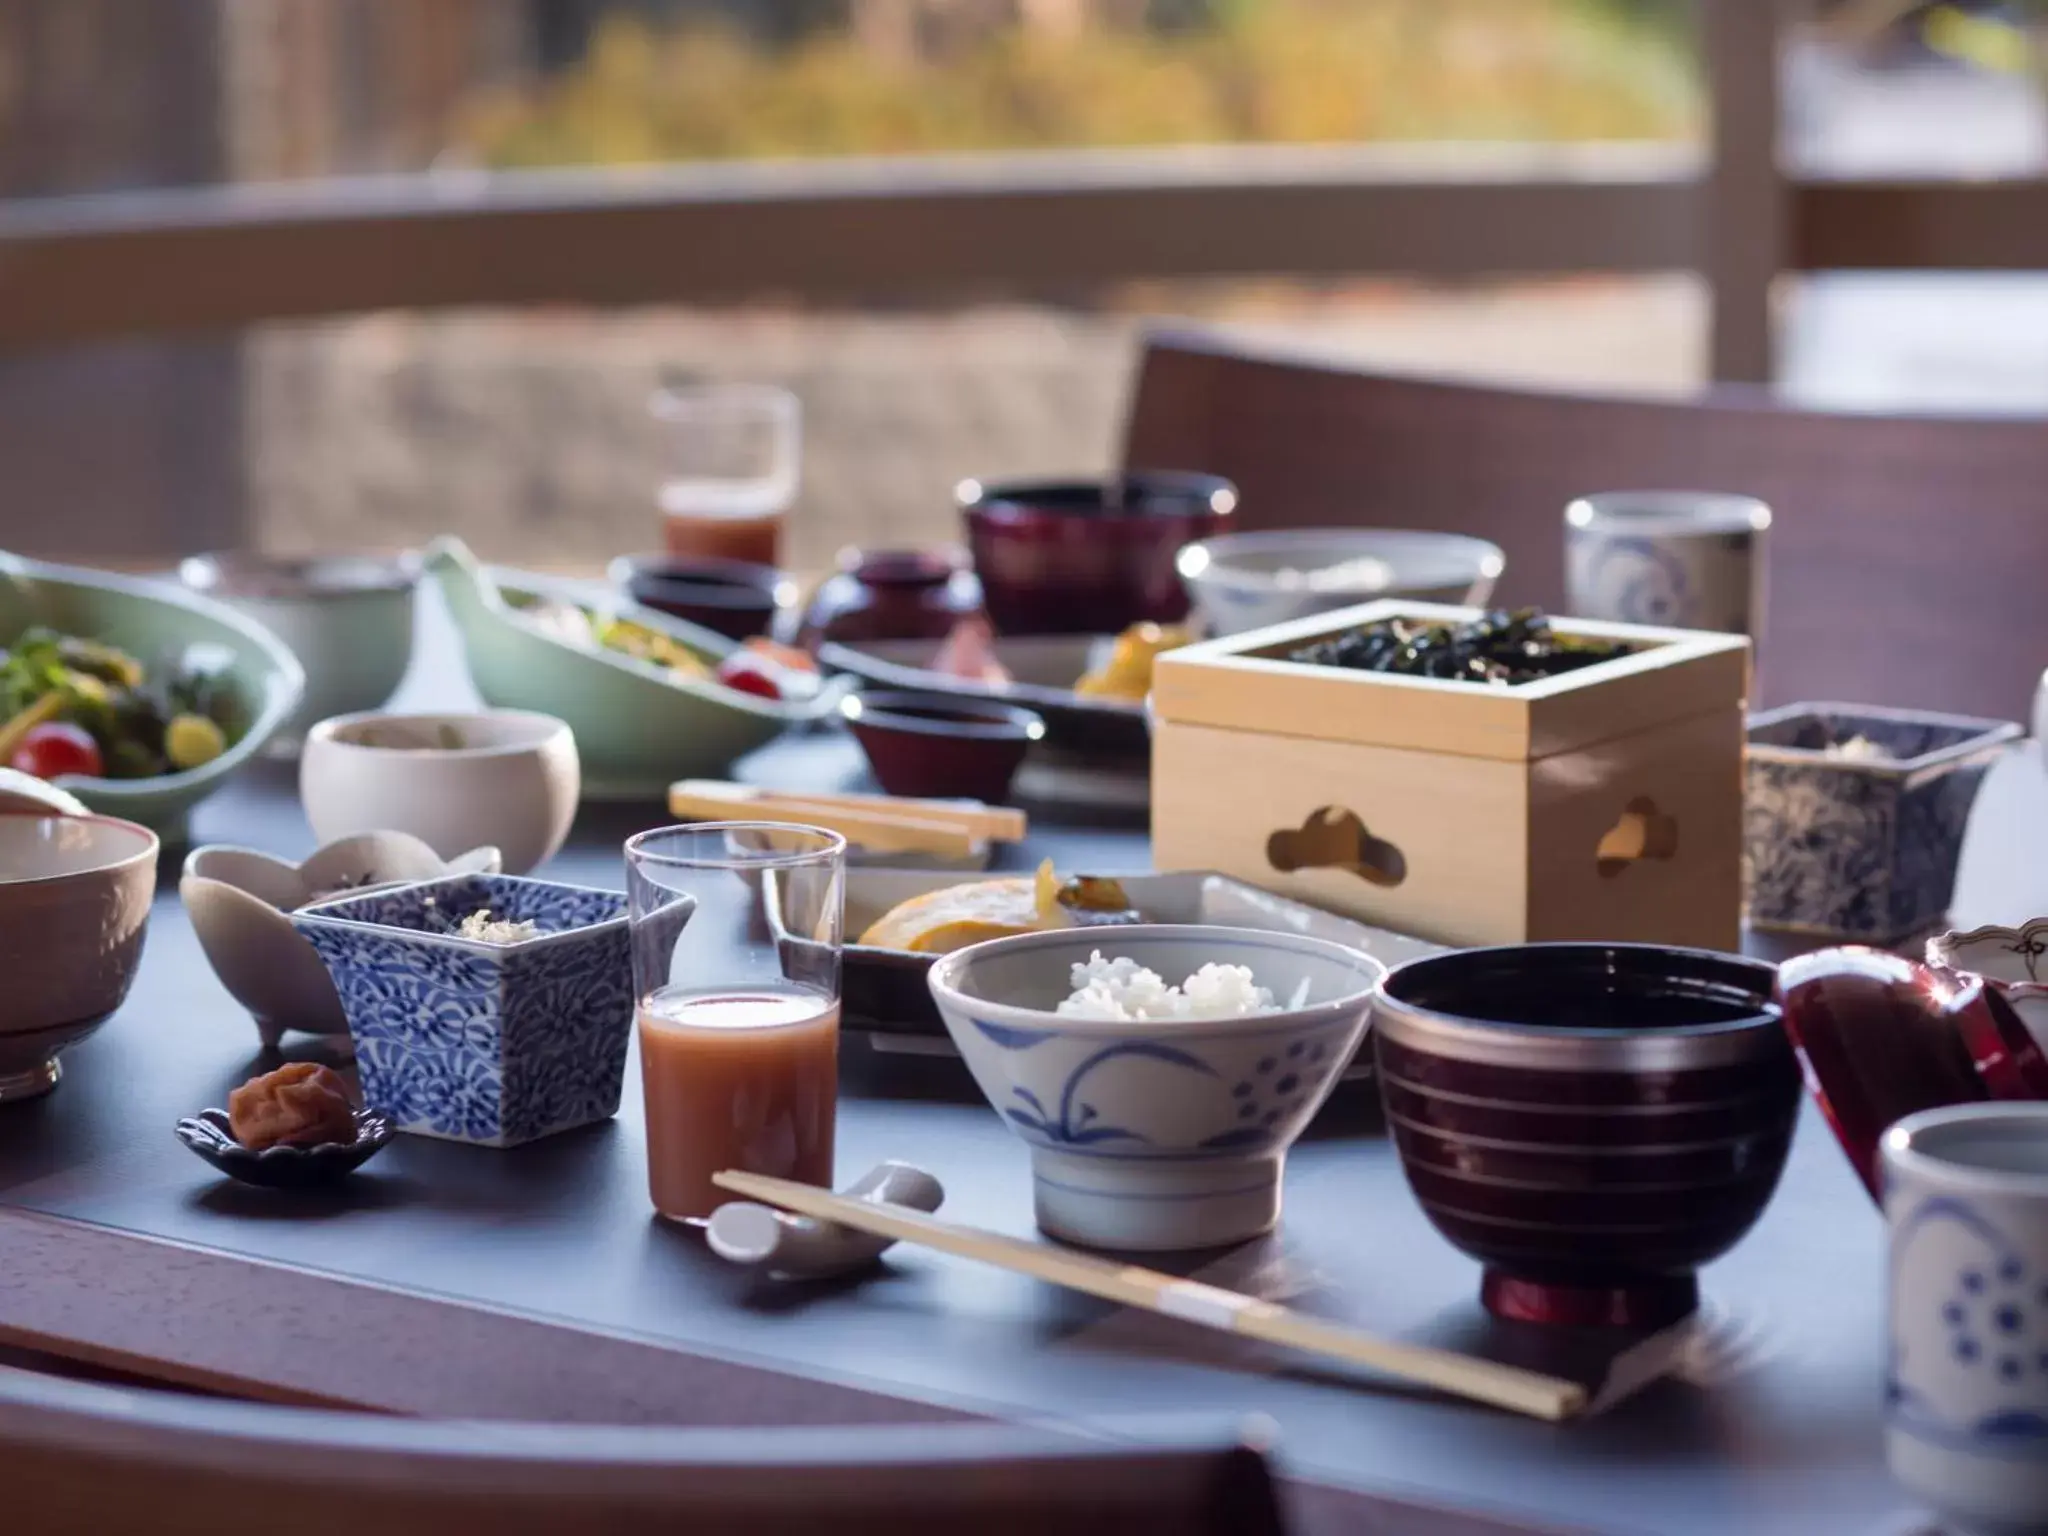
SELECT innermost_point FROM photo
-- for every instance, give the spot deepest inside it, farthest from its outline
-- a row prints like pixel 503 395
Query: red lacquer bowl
pixel 1089 557
pixel 1592 1122
pixel 1882 1037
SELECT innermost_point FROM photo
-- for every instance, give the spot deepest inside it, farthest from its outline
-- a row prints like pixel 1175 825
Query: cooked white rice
pixel 481 926
pixel 1122 990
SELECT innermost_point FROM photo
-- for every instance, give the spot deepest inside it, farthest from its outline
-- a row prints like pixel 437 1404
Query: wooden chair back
pixel 81 1457
pixel 1908 562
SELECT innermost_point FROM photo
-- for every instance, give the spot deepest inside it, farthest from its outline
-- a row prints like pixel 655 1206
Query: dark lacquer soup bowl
pixel 1592 1122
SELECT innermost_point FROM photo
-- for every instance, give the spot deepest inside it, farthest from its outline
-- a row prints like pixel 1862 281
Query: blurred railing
pixel 216 259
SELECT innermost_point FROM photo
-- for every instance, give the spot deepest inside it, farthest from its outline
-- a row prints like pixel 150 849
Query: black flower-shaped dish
pixel 284 1167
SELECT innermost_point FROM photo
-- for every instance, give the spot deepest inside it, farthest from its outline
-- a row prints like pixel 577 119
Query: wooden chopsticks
pixel 1484 1381
pixel 881 822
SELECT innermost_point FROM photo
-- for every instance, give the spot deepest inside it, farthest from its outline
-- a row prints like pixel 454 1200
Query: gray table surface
pixel 1772 1427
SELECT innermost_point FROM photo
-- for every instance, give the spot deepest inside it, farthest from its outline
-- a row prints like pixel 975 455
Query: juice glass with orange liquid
pixel 736 932
pixel 733 461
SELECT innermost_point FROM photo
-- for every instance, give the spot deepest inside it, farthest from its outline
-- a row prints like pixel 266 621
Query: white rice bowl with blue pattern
pixel 1166 1132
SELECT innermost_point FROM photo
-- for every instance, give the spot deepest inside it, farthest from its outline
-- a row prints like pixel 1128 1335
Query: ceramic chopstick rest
pixel 805 1248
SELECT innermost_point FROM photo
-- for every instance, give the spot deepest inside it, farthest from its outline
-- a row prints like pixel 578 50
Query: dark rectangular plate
pixel 885 992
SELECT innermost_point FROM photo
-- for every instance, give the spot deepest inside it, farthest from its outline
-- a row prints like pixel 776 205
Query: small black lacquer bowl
pixel 284 1167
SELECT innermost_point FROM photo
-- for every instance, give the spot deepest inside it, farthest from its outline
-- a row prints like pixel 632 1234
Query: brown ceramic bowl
pixel 734 598
pixel 1089 557
pixel 931 746
pixel 74 906
pixel 1592 1122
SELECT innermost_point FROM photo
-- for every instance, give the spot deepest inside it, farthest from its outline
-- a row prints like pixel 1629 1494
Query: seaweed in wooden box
pixel 1603 803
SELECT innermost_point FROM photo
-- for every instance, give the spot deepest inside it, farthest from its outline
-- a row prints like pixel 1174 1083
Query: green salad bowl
pixel 638 727
pixel 157 623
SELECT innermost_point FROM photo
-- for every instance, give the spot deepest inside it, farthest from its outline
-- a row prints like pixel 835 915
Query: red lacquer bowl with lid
pixel 1881 1037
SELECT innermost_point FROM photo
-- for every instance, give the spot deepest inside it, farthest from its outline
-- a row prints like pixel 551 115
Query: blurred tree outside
pixel 913 76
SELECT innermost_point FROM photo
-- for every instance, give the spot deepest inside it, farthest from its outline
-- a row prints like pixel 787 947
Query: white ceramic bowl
pixel 238 899
pixel 512 782
pixel 2013 959
pixel 1164 1134
pixel 1244 581
pixel 74 907
pixel 348 618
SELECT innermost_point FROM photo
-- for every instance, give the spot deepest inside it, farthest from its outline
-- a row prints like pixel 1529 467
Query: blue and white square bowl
pixel 495 1044
pixel 1860 848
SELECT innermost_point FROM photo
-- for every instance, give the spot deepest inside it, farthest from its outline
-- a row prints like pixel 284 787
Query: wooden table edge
pixel 167 1313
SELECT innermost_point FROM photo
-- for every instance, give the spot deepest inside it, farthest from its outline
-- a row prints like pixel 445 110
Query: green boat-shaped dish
pixel 638 727
pixel 155 621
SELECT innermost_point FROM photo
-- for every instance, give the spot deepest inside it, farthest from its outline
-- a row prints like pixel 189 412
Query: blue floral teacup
pixel 495 1043
pixel 1966 1198
pixel 1156 1134
pixel 1674 559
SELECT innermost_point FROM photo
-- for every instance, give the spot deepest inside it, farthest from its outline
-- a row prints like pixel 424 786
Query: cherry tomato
pixel 57 748
pixel 745 672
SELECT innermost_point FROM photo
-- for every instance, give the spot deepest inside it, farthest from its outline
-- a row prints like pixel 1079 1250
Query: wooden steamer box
pixel 1602 804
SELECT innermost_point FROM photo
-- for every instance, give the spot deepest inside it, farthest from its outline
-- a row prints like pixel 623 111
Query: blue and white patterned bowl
pixel 1160 1134
pixel 496 1044
pixel 1856 848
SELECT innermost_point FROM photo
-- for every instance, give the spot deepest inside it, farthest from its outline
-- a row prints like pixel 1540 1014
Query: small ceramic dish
pixel 502 779
pixel 1065 557
pixel 156 621
pixel 929 746
pixel 74 910
pixel 495 1044
pixel 734 598
pixel 639 727
pixel 1883 1037
pixel 2011 959
pixel 284 1167
pixel 1592 1122
pixel 1155 1134
pixel 1245 581
pixel 1043 670
pixel 1859 842
pixel 238 901
pixel 348 619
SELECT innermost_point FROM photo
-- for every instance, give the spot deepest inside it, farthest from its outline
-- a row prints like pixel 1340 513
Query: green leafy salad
pixel 76 706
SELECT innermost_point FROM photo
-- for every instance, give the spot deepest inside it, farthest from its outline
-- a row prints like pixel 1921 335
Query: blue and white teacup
pixel 1966 1423
pixel 1674 559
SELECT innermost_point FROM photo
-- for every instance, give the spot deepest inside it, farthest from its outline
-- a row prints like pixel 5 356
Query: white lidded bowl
pixel 1244 581
pixel 504 778
pixel 1159 1134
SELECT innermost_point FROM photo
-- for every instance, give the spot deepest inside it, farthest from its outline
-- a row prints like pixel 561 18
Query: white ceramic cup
pixel 1676 559
pixel 504 778
pixel 1966 1423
